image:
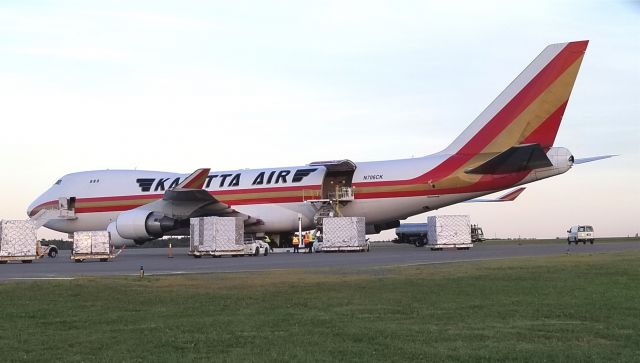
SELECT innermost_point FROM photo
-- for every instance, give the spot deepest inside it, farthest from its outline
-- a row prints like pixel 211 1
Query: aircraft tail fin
pixel 530 109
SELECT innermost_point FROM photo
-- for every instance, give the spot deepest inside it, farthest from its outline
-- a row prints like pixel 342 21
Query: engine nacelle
pixel 562 161
pixel 377 228
pixel 142 225
pixel 116 239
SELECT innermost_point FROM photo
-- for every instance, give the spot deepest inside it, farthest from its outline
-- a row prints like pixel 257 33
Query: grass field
pixel 564 308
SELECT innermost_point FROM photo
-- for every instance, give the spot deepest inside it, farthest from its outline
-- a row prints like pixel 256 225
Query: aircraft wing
pixel 507 197
pixel 189 200
pixel 515 159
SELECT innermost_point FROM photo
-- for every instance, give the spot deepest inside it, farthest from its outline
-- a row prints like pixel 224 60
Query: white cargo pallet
pixel 216 236
pixel 92 245
pixel 18 241
pixel 448 232
pixel 343 234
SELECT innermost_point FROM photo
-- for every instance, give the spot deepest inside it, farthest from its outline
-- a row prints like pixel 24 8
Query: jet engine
pixel 143 225
pixel 116 239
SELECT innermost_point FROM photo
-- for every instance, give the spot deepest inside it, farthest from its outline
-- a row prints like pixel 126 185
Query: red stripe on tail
pixel 545 133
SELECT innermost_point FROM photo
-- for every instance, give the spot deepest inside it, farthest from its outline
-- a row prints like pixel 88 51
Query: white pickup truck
pixel 254 247
pixel 47 249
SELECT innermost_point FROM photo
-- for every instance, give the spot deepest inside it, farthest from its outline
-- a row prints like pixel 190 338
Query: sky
pixel 179 85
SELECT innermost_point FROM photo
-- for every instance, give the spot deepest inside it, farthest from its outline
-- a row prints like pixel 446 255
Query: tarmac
pixel 155 261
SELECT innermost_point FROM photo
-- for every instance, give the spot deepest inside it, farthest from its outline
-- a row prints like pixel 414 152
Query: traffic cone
pixel 170 251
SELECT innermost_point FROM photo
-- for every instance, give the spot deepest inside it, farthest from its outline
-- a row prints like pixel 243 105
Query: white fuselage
pixel 383 191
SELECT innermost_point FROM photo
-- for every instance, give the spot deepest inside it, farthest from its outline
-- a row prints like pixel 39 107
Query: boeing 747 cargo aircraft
pixel 509 144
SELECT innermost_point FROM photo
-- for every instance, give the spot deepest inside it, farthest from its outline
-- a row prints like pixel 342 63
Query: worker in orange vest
pixel 295 243
pixel 307 241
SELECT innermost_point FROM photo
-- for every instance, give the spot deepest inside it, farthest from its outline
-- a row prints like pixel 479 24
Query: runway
pixel 156 262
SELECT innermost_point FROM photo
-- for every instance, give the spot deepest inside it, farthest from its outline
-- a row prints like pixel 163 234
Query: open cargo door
pixel 337 183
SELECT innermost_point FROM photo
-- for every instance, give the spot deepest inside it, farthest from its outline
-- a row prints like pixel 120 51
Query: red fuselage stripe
pixel 485 183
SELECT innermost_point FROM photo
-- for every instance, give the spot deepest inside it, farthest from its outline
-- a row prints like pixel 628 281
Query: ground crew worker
pixel 307 240
pixel 295 243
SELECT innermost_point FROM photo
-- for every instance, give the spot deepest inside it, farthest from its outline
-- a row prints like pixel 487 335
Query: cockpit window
pixel 58 182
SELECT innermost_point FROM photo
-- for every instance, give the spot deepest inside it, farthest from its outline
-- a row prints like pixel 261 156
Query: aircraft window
pixel 58 182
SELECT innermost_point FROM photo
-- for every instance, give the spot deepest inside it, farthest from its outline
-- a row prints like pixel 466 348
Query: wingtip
pixel 512 195
pixel 196 180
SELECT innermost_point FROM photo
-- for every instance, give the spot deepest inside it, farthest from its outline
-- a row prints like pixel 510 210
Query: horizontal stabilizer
pixel 515 159
pixel 593 158
pixel 507 197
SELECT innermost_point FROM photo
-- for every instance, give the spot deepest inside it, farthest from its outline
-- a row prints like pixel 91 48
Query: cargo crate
pixel 18 241
pixel 216 236
pixel 344 234
pixel 449 231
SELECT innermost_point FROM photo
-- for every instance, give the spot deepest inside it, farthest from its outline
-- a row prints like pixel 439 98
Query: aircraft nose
pixel 36 205
pixel 31 207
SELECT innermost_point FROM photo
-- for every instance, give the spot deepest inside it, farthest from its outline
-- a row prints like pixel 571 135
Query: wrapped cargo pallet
pixel 344 234
pixel 216 235
pixel 91 244
pixel 18 239
pixel 449 231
